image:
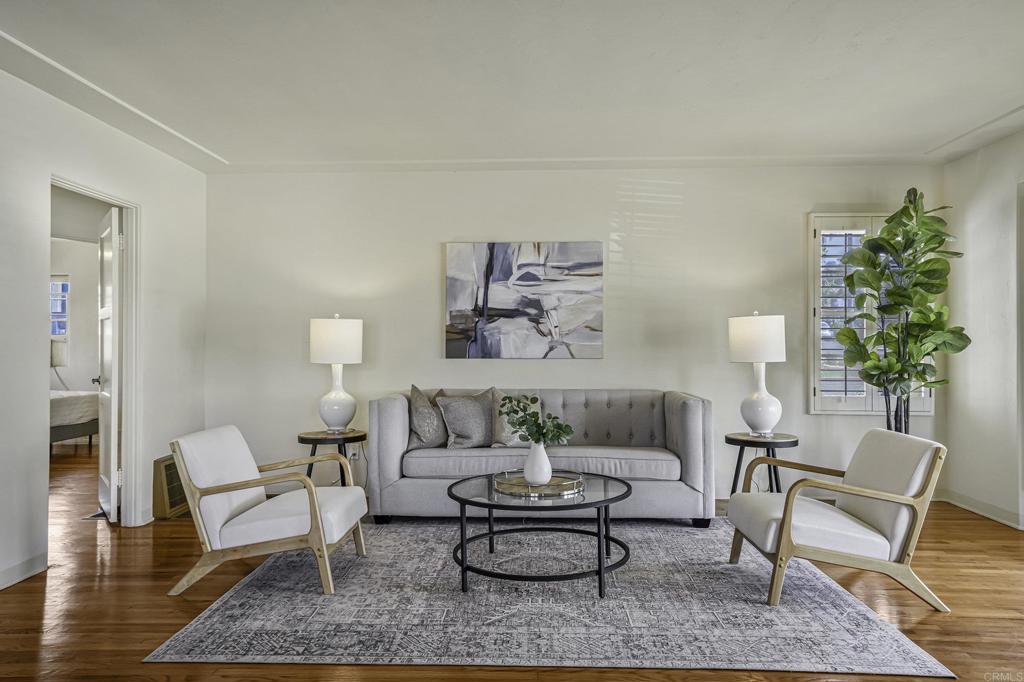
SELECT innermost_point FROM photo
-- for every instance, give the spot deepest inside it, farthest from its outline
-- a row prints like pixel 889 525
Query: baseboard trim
pixel 979 507
pixel 26 569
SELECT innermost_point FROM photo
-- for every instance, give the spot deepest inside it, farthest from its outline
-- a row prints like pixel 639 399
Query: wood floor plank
pixel 101 607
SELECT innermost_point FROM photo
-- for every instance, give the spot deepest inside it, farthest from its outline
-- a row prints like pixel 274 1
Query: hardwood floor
pixel 102 607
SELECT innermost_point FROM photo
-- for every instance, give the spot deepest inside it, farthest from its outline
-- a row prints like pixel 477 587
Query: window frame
pixel 871 403
pixel 62 279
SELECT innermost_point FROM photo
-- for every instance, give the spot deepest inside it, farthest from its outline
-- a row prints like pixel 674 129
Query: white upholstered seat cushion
pixel 640 463
pixel 815 524
pixel 287 515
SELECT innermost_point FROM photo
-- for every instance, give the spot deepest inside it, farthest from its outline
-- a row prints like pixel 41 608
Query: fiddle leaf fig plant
pixel 527 422
pixel 896 279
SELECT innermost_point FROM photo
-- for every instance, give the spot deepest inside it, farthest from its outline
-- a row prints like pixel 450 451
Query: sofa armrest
pixel 388 439
pixel 688 434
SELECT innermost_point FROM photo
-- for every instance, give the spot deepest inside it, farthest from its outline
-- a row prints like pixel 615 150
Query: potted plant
pixel 896 279
pixel 524 418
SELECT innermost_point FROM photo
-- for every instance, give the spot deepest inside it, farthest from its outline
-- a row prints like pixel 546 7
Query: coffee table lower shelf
pixel 604 542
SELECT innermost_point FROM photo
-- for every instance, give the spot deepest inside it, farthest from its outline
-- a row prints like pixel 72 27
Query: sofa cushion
pixel 426 425
pixel 468 419
pixel 815 524
pixel 629 463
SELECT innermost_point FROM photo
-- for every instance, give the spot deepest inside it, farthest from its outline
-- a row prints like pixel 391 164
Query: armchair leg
pixel 737 547
pixel 323 563
pixel 357 535
pixel 202 567
pixel 909 580
pixel 778 576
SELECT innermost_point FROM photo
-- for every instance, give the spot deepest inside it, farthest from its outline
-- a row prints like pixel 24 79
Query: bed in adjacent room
pixel 73 414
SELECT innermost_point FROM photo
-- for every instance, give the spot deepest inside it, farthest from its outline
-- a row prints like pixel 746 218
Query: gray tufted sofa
pixel 658 441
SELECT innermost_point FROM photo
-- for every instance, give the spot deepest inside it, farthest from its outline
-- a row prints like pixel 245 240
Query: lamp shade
pixel 757 338
pixel 336 341
pixel 58 352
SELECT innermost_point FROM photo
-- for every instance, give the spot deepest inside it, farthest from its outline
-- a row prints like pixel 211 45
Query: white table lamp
pixel 759 339
pixel 336 342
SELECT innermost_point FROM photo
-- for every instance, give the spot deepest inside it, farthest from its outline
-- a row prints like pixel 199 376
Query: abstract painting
pixel 524 300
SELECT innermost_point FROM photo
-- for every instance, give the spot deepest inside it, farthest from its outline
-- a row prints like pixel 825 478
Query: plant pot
pixel 537 470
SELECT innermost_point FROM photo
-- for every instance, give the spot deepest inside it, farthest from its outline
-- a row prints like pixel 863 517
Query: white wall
pixel 75 216
pixel 80 262
pixel 41 136
pixel 685 250
pixel 983 429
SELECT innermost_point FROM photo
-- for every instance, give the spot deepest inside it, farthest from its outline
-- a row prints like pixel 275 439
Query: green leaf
pixel 933 269
pixel 949 254
pixel 860 258
pixel 861 316
pixel 867 279
pixel 847 337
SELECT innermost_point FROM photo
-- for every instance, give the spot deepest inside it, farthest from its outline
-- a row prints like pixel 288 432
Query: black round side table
pixel 769 443
pixel 339 438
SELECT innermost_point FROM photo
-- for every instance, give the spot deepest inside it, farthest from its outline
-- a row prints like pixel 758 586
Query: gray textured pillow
pixel 426 425
pixel 468 419
pixel 504 437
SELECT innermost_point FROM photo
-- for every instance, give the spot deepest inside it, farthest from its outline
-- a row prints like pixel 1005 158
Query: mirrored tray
pixel 562 484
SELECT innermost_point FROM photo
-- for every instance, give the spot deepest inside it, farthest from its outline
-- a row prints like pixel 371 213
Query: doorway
pixel 91 293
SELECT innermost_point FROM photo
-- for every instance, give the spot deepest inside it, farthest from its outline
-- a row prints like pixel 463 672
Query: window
pixel 836 388
pixel 59 289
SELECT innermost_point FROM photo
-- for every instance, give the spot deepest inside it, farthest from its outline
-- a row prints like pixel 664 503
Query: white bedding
pixel 73 407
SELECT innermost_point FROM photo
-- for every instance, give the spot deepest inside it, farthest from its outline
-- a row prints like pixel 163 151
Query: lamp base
pixel 761 410
pixel 337 407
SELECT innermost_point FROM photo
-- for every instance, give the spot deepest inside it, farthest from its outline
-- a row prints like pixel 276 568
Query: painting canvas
pixel 524 300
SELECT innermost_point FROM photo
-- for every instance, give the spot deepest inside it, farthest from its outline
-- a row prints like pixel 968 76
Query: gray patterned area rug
pixel 678 603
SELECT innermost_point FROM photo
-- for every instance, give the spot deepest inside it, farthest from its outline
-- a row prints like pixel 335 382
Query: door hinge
pixel 815 234
pixel 814 311
pixel 120 241
pixel 120 477
pixel 814 390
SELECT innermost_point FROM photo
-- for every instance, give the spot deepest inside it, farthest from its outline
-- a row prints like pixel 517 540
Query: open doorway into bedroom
pixel 85 300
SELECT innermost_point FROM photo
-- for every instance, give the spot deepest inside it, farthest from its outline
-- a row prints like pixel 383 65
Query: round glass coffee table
pixel 599 493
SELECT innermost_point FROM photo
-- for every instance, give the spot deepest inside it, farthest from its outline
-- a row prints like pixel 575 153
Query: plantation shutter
pixel 835 388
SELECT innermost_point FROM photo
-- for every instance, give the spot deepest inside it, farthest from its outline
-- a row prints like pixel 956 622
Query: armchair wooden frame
pixel 314 539
pixel 899 569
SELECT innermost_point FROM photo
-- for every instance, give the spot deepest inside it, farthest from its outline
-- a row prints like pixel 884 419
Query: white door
pixel 109 328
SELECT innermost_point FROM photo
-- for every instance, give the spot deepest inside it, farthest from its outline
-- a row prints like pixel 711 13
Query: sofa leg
pixel 381 520
pixel 701 523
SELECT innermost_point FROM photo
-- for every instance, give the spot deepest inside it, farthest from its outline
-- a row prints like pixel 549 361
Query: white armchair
pixel 874 525
pixel 235 519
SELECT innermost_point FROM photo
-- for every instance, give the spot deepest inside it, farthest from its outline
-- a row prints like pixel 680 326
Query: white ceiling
pixel 277 84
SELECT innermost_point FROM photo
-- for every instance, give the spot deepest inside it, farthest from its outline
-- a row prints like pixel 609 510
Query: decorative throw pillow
pixel 468 419
pixel 504 437
pixel 426 425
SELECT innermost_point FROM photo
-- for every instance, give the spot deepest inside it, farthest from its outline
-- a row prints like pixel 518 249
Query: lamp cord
pixel 60 379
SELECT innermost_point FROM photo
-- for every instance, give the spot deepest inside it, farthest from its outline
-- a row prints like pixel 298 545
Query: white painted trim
pixel 19 572
pixel 133 459
pixel 989 511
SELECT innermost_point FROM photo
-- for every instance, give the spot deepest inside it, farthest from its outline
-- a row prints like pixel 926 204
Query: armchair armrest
pixel 305 461
pixel 786 464
pixel 255 483
pixel 851 490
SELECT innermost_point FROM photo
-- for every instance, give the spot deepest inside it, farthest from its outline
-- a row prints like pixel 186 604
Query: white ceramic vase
pixel 538 467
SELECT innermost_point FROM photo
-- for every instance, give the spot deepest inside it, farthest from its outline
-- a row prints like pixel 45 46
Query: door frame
pixel 132 464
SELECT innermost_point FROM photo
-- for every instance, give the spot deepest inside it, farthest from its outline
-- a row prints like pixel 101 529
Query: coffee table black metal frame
pixel 508 503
